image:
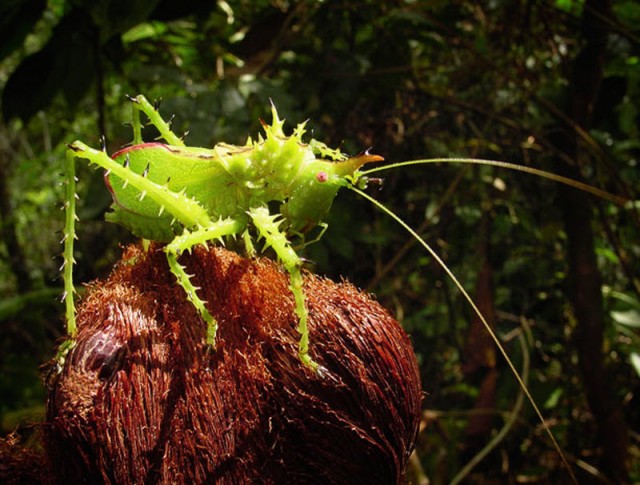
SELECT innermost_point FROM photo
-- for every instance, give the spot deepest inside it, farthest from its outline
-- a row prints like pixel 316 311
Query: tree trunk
pixel 584 278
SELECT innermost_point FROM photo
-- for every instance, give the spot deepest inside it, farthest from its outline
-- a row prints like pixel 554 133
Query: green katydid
pixel 188 196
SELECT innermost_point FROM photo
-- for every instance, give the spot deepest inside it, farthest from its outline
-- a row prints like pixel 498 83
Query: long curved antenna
pixel 510 166
pixel 477 311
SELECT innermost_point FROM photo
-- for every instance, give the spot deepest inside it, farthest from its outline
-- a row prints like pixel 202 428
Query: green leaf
pixel 12 307
pixel 554 399
pixel 144 31
pixel 634 360
pixel 17 18
pixel 630 318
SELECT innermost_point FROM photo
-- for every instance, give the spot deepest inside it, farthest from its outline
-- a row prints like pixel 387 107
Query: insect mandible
pixel 188 196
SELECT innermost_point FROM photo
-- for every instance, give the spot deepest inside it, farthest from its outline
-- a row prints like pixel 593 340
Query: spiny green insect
pixel 188 196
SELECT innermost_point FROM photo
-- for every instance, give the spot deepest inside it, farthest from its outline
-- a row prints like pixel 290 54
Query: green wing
pixel 193 171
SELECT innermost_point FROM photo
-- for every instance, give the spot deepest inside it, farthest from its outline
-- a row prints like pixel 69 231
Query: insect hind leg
pixel 186 241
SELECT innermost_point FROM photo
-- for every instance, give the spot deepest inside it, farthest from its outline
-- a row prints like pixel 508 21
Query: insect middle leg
pixel 268 227
pixel 186 241
pixel 140 103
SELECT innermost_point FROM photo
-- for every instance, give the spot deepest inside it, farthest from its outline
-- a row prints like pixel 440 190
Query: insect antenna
pixel 476 310
pixel 616 199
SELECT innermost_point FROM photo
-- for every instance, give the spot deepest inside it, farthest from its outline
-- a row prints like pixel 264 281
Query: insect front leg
pixel 268 227
pixel 184 242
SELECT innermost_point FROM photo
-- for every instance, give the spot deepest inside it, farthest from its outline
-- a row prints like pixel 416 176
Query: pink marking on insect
pixel 322 177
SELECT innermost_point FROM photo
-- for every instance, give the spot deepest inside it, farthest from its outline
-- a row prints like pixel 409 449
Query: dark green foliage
pixel 413 79
pixel 17 19
pixel 42 75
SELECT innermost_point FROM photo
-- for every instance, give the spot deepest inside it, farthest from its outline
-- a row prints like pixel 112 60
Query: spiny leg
pixel 184 242
pixel 268 227
pixel 140 103
pixel 188 211
pixel 68 260
pixel 68 239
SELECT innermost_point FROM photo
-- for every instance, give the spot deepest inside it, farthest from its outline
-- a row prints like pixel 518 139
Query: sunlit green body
pixel 185 196
pixel 227 181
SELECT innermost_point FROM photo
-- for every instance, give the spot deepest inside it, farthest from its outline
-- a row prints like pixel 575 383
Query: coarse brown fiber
pixel 142 399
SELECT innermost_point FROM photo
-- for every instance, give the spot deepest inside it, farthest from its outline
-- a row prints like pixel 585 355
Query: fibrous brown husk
pixel 21 464
pixel 142 399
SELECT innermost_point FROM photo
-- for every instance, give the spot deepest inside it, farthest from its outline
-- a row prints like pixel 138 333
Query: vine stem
pixel 511 417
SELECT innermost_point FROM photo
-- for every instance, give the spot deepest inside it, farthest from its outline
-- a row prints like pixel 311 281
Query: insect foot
pixel 141 400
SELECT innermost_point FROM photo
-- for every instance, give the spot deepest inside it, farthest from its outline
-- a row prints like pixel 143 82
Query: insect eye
pixel 322 177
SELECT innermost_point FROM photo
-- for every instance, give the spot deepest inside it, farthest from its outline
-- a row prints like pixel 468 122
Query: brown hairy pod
pixel 141 399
